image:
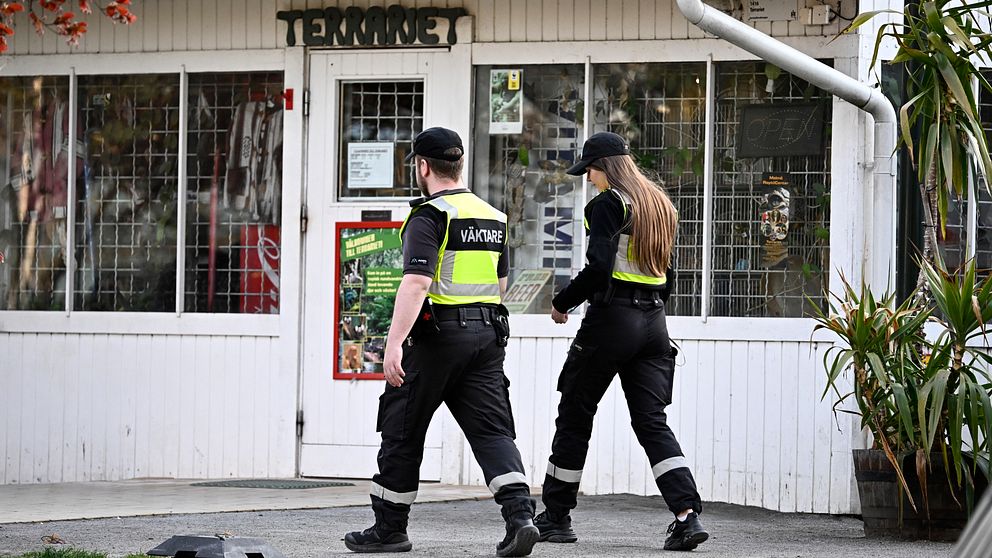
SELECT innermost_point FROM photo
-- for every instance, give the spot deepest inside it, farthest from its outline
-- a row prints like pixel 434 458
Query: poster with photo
pixel 369 268
pixel 506 102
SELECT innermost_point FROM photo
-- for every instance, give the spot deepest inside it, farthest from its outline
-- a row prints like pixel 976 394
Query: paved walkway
pixel 447 521
pixel 88 500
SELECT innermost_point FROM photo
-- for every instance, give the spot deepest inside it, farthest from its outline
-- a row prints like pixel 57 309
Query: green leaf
pixel 864 18
pixel 905 415
pixel 958 91
pixel 875 363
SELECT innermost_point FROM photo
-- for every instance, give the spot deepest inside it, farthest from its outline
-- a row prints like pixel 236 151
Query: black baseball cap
pixel 433 142
pixel 599 145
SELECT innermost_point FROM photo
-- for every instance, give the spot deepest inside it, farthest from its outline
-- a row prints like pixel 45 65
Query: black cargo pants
pixel 462 367
pixel 630 339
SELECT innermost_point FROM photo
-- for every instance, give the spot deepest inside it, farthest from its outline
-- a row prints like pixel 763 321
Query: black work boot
pixel 375 539
pixel 555 527
pixel 521 536
pixel 686 535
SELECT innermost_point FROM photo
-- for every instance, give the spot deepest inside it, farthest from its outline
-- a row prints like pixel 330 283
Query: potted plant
pixel 925 402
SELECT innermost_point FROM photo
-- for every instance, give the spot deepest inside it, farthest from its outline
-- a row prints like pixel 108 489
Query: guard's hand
pixel 558 317
pixel 392 366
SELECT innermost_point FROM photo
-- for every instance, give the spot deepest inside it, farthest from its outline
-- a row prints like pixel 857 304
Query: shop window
pixel 234 192
pixel 527 132
pixel 771 212
pixel 983 232
pixel 661 110
pixel 34 158
pixel 126 201
pixel 379 120
pixel 952 239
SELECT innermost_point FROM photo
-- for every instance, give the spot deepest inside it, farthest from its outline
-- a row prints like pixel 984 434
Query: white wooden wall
pixel 109 406
pixel 194 25
pixel 748 415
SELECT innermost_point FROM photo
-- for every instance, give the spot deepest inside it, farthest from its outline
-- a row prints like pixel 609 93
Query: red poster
pixel 260 269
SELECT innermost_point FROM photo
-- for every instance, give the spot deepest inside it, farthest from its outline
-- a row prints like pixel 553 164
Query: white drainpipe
pixel 880 238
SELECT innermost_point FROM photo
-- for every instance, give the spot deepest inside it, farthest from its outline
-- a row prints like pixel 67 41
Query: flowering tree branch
pixel 53 15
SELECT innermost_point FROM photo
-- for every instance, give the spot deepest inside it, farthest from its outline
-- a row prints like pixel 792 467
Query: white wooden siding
pixel 193 25
pixel 107 407
pixel 747 414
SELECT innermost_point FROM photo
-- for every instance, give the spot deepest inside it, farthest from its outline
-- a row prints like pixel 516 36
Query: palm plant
pixel 880 343
pixel 919 397
pixel 955 400
pixel 943 44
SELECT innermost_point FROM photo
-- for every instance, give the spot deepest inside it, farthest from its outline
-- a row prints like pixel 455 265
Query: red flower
pixel 64 19
pixel 119 13
pixel 74 31
pixel 8 9
pixel 52 5
pixel 84 6
pixel 3 44
pixel 5 30
pixel 39 25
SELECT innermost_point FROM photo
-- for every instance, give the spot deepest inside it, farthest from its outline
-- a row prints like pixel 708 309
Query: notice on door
pixel 369 271
pixel 370 164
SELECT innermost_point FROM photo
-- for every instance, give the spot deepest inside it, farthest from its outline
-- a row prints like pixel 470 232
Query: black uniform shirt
pixel 423 236
pixel 606 219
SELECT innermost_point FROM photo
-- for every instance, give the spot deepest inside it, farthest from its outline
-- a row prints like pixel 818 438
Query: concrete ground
pixel 619 525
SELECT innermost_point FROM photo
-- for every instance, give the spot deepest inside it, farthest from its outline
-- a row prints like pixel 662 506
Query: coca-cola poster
pixel 260 269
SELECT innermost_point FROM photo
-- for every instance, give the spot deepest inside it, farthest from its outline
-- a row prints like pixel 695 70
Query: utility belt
pixel 632 296
pixel 431 316
pixel 464 314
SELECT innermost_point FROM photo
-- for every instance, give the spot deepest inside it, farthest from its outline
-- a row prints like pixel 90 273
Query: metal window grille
pixel 661 110
pixel 234 190
pixel 750 277
pixel 983 232
pixel 381 111
pixel 524 174
pixel 33 250
pixel 126 203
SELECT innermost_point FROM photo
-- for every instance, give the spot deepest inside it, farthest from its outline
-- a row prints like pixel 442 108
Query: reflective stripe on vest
pixel 624 266
pixel 474 238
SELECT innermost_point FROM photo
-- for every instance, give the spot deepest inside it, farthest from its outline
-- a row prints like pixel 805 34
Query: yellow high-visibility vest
pixel 624 266
pixel 474 239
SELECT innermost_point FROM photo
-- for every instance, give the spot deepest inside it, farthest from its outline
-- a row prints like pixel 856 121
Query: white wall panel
pixel 193 25
pixel 747 414
pixel 82 407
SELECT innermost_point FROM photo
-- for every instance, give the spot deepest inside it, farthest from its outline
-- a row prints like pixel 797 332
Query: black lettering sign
pixel 477 234
pixel 375 26
pixel 333 19
pixel 311 27
pixel 780 130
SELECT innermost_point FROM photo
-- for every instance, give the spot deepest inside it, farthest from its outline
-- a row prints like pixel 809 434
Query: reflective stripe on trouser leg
pixel 506 479
pixel 670 464
pixel 564 475
pixel 379 491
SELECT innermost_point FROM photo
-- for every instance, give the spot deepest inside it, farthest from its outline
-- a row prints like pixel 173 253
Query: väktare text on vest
pixel 482 235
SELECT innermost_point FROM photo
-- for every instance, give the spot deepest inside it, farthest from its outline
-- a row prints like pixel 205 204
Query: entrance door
pixel 358 97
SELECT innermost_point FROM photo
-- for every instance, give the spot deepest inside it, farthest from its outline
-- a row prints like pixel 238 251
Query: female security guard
pixel 627 278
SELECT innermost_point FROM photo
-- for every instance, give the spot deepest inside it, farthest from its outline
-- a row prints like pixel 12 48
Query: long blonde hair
pixel 654 219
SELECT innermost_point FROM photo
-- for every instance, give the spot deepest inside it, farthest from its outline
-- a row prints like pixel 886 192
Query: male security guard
pixel 447 349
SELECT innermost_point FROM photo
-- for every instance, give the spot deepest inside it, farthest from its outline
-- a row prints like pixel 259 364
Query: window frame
pixel 178 321
pixel 336 135
pixel 844 54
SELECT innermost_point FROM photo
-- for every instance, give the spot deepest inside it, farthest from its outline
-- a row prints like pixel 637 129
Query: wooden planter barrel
pixel 878 486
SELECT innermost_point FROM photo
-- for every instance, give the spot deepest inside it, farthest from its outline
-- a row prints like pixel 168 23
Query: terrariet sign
pixel 375 26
